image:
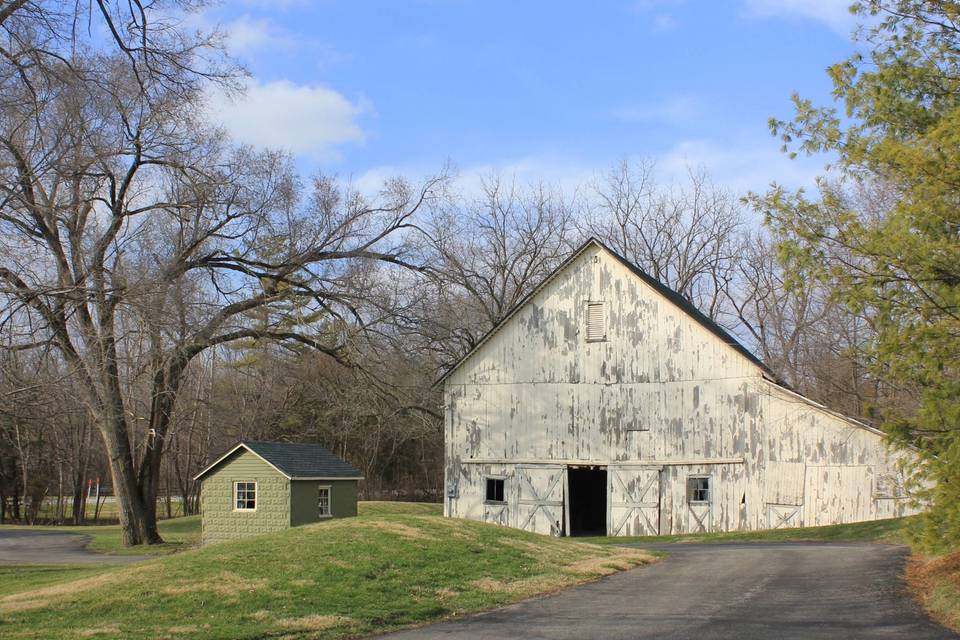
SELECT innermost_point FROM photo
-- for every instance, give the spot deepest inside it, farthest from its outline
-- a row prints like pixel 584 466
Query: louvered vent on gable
pixel 596 322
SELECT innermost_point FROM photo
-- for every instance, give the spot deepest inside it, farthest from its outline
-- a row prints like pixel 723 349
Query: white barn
pixel 606 403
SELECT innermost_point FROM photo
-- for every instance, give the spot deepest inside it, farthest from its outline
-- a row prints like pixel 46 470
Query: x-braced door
pixel 540 497
pixel 633 501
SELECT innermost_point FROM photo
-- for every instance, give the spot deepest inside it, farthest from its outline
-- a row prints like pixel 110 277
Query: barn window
pixel 698 489
pixel 245 496
pixel 323 502
pixel 495 490
pixel 596 322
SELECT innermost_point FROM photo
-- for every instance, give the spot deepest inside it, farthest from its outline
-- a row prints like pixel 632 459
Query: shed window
pixel 596 325
pixel 245 496
pixel 495 490
pixel 323 502
pixel 698 489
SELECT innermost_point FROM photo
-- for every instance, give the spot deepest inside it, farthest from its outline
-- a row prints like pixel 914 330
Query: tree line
pixel 165 291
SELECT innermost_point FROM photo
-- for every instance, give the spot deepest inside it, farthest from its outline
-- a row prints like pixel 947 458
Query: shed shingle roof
pixel 295 460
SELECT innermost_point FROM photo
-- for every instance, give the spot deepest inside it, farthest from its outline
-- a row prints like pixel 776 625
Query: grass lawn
pixel 393 566
pixel 24 577
pixel 890 531
pixel 178 534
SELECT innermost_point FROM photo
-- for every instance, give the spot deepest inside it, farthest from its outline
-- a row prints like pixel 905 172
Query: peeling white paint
pixel 662 391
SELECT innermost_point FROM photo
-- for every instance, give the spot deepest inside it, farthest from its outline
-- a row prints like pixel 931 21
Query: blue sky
pixel 553 91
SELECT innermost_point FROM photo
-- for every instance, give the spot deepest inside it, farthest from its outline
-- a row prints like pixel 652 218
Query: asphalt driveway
pixel 23 546
pixel 712 591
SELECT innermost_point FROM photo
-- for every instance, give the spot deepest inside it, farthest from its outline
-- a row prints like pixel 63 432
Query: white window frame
pixel 700 476
pixel 329 490
pixel 236 491
pixel 603 321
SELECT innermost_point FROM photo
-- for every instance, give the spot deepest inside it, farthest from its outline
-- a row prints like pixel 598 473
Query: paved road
pixel 51 547
pixel 713 591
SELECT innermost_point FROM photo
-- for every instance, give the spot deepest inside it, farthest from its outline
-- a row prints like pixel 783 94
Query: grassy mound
pixel 392 567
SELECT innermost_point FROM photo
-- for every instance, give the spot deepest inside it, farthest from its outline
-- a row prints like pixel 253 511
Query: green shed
pixel 258 487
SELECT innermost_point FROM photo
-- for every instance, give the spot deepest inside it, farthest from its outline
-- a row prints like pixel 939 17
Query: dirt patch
pixel 313 622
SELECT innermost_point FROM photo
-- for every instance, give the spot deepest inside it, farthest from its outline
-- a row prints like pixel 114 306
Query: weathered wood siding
pixel 661 390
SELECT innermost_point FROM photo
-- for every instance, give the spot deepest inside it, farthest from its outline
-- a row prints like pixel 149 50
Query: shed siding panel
pixel 222 522
pixel 304 500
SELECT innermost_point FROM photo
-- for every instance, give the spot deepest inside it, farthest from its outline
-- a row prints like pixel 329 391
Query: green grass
pixel 24 577
pixel 178 534
pixel 391 567
pixel 884 531
pixel 108 508
pixel 384 508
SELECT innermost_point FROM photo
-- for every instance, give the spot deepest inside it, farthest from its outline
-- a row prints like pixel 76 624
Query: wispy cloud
pixel 660 13
pixel 247 35
pixel 675 110
pixel 750 164
pixel 308 120
pixel 833 13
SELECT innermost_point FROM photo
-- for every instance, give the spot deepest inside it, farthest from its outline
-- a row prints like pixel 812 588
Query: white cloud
pixel 664 22
pixel 750 164
pixel 309 120
pixel 676 110
pixel 246 35
pixel 834 13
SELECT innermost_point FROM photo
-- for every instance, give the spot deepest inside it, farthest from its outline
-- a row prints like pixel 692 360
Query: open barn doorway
pixel 588 501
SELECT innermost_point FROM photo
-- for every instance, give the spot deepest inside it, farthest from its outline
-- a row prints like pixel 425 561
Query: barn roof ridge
pixel 672 296
pixel 294 460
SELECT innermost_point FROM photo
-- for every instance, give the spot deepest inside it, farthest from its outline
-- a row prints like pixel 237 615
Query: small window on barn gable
pixel 245 496
pixel 323 502
pixel 494 490
pixel 698 489
pixel 596 322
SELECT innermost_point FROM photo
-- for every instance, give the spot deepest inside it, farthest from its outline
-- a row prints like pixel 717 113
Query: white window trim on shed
pixel 329 490
pixel 236 497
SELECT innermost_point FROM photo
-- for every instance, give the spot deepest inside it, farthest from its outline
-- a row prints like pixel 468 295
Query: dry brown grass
pixel 259 616
pixel 99 631
pixel 935 583
pixel 300 582
pixel 400 529
pixel 225 583
pixel 64 591
pixel 313 622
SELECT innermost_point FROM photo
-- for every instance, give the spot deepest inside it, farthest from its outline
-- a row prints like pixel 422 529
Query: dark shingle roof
pixel 303 460
pixel 295 460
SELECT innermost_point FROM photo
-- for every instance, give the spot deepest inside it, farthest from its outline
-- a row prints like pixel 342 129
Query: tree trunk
pixel 133 514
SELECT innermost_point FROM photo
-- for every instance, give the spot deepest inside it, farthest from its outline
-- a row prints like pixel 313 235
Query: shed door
pixel 634 501
pixel 540 495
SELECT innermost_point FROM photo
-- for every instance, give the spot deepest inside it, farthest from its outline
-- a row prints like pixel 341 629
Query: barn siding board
pixel 662 388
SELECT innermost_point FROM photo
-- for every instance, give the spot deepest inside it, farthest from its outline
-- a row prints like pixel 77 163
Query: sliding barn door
pixel 633 501
pixel 540 498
